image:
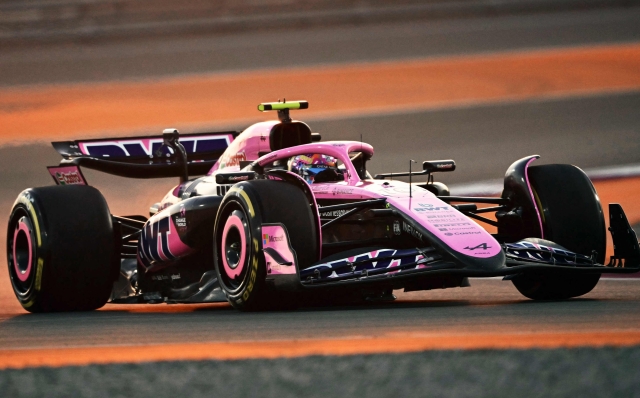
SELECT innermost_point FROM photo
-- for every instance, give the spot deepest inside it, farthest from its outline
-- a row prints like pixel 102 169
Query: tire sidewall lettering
pixel 252 278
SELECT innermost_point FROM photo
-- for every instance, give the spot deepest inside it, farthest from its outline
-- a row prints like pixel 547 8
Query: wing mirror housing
pixel 431 166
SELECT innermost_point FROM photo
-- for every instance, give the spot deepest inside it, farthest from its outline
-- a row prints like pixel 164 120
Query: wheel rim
pixel 234 248
pixel 22 250
pixel 22 254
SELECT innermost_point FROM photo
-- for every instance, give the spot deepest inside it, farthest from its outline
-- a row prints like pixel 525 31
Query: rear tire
pixel 573 218
pixel 60 249
pixel 238 256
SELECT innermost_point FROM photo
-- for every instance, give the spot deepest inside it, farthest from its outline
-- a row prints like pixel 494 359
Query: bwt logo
pixel 154 242
pixel 148 147
pixel 429 207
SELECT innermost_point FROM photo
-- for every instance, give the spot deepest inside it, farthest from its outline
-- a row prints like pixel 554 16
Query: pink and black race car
pixel 281 216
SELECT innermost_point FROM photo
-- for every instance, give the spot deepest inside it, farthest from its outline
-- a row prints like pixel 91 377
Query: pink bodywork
pixel 249 144
pixel 67 175
pixel 277 238
pixel 448 224
pixel 453 228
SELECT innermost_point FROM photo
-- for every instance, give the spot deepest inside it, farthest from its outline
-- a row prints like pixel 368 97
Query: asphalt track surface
pixel 593 130
pixel 611 308
pixel 449 324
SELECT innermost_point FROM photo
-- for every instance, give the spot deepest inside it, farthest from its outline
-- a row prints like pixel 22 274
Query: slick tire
pixel 573 218
pixel 60 249
pixel 238 242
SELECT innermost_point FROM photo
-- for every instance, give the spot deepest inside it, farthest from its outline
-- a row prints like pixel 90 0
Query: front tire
pixel 238 256
pixel 60 249
pixel 573 218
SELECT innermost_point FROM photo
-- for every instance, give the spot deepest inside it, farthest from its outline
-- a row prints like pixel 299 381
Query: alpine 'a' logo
pixel 482 246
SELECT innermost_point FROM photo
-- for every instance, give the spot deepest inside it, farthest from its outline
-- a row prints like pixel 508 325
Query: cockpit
pixel 317 167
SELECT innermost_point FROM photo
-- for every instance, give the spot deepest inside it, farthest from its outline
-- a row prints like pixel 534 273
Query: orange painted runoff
pixel 78 356
pixel 203 101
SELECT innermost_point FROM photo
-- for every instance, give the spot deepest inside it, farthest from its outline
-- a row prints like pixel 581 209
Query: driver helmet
pixel 309 165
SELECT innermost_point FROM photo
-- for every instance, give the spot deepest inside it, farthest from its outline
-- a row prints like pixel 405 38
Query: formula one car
pixel 281 216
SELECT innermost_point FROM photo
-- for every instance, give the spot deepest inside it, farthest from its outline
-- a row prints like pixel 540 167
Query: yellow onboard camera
pixel 283 108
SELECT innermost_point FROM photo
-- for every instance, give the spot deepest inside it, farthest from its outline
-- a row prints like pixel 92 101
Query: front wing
pixel 523 256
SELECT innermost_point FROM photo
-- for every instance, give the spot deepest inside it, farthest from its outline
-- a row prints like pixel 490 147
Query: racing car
pixel 281 215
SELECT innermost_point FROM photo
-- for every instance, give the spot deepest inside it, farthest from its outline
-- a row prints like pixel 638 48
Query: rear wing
pixel 147 157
